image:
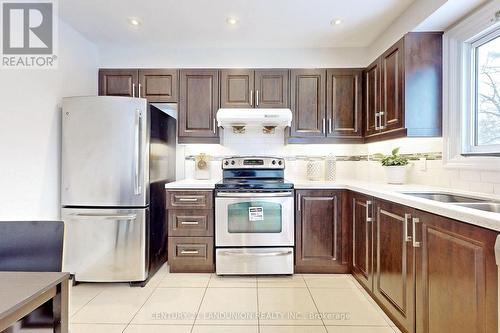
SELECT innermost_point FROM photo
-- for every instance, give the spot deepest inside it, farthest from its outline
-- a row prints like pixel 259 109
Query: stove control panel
pixel 253 163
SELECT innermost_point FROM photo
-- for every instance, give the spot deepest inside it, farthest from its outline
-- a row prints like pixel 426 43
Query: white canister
pixel 314 169
pixel 330 167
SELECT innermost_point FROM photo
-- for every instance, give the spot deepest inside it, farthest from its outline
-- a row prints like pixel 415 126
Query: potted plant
pixel 395 167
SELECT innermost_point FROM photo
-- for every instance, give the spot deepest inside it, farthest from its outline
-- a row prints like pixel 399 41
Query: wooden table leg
pixel 61 308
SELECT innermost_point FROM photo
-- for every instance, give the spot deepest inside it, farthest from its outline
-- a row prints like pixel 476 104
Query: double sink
pixel 459 200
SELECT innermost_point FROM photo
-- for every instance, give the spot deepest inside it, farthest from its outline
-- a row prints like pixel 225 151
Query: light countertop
pixel 388 192
pixel 191 184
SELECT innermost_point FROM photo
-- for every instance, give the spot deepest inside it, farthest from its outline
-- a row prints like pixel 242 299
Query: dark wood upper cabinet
pixel 118 82
pixel 393 281
pixel 403 89
pixel 362 248
pixel 158 85
pixel 319 229
pixel 456 276
pixel 344 108
pixel 271 88
pixel 198 105
pixel 237 88
pixel 371 98
pixel 392 87
pixel 307 93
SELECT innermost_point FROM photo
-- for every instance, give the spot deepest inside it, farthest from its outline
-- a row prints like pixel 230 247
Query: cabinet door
pixel 344 103
pixel 271 88
pixel 362 222
pixel 198 105
pixel 394 283
pixel 308 102
pixel 118 82
pixel 318 232
pixel 456 277
pixel 392 65
pixel 372 98
pixel 158 85
pixel 237 88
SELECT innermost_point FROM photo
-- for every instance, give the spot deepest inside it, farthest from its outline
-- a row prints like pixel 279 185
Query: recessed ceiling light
pixel 133 21
pixel 232 20
pixel 336 22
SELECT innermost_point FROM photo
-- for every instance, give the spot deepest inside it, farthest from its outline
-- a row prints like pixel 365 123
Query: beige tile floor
pixel 206 303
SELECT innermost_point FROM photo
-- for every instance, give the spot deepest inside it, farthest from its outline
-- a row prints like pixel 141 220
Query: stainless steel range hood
pixel 276 118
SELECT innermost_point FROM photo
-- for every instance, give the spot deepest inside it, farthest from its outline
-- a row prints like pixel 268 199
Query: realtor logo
pixel 28 30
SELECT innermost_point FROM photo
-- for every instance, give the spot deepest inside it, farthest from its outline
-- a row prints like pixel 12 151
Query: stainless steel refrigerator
pixel 117 155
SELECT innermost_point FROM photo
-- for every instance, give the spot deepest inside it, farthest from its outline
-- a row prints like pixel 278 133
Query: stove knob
pixel 273 162
pixel 226 163
pixel 233 162
pixel 280 162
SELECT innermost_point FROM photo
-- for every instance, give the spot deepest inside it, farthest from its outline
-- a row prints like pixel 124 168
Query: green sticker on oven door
pixel 255 213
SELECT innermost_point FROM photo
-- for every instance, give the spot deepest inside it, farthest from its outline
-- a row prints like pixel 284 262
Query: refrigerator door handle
pixel 137 157
pixel 106 217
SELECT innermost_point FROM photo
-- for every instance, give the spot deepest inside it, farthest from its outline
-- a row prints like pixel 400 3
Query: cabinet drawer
pixel 191 254
pixel 190 222
pixel 189 199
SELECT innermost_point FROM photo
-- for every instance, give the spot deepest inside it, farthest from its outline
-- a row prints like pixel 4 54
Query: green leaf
pixel 395 151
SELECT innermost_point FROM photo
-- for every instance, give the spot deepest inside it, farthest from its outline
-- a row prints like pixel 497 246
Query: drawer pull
pixel 190 252
pixel 190 222
pixel 188 199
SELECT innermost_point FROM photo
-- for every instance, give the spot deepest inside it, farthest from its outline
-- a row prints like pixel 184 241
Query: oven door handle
pixel 255 253
pixel 254 195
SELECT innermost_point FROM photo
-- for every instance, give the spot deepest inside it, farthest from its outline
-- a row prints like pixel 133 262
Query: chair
pixel 32 246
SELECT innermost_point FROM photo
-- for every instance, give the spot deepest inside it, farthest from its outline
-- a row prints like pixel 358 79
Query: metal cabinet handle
pixel 137 171
pixel 251 97
pixel 257 97
pixel 405 228
pixel 190 222
pixel 415 220
pixel 139 95
pixel 377 114
pixel 190 252
pixel 330 125
pixel 381 114
pixel 215 126
pixel 133 89
pixel 299 199
pixel 324 125
pixel 188 199
pixel 368 217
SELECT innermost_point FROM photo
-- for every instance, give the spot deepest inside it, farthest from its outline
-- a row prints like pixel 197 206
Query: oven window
pixel 254 217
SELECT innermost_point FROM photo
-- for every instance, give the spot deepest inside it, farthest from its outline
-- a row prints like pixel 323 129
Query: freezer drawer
pixel 106 245
pixel 243 261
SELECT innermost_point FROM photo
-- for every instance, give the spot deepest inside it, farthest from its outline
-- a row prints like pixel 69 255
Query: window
pixel 483 134
pixel 471 91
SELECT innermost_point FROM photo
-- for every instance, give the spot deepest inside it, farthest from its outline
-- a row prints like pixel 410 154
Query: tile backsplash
pixel 423 171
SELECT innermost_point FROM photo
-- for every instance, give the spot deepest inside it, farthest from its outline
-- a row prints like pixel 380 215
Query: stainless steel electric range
pixel 254 217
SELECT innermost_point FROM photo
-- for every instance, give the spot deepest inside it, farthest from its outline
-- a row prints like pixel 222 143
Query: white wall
pixel 117 56
pixel 30 127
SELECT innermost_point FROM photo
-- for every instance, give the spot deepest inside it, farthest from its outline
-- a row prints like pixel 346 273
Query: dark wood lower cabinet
pixel 456 276
pixel 362 250
pixel 319 229
pixel 190 218
pixel 430 274
pixel 393 275
pixel 191 254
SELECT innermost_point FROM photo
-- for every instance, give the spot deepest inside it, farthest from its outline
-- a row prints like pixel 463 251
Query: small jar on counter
pixel 314 168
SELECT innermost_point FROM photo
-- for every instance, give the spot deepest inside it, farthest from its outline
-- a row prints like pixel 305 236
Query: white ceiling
pixel 262 23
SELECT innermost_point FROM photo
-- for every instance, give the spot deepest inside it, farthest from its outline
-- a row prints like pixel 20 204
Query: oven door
pixel 254 219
